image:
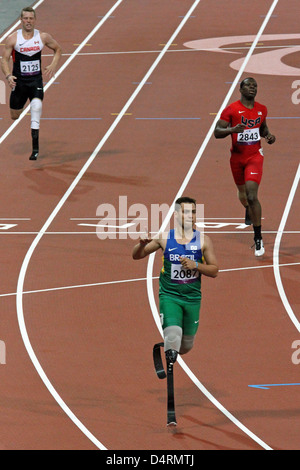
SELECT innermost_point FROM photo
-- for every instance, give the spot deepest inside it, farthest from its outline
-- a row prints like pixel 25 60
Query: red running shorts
pixel 247 168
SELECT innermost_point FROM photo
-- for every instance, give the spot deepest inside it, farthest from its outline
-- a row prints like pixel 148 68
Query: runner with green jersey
pixel 179 287
pixel 187 255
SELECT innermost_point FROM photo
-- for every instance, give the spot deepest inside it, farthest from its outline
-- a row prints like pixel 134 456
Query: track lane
pixel 36 391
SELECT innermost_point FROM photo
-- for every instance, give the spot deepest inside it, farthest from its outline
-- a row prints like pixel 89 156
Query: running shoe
pixel 34 155
pixel 259 247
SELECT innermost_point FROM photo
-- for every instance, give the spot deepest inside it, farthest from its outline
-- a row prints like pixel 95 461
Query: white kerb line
pixel 276 251
pixel 166 221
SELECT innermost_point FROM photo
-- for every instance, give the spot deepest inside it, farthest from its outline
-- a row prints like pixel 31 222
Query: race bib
pixel 31 67
pixel 180 275
pixel 249 136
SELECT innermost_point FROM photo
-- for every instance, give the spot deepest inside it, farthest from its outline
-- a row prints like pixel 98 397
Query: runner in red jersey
pixel 245 121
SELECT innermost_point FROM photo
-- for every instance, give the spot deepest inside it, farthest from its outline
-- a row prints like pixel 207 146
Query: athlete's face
pixel 249 89
pixel 186 216
pixel 28 21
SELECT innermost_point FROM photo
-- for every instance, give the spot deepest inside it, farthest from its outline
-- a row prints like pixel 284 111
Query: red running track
pixel 127 115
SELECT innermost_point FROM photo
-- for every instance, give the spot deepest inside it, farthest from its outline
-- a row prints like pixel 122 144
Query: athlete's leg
pixel 237 168
pixel 15 113
pixel 36 96
pixel 191 319
pixel 254 204
pixel 36 107
pixel 18 98
pixel 242 195
pixel 187 343
pixel 172 337
pixel 255 214
pixel 171 313
pixel 253 176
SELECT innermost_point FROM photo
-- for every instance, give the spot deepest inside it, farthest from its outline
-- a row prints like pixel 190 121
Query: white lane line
pixel 129 224
pixel 139 279
pixel 22 274
pixel 151 296
pixel 277 249
pixel 257 267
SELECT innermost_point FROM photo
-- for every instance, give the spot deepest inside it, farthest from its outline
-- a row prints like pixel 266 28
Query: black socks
pixel 35 144
pixel 257 232
pixel 35 140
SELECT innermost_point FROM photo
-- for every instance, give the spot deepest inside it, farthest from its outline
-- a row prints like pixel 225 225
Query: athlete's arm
pixel 210 268
pixel 223 129
pixel 264 132
pixel 146 246
pixel 7 51
pixel 55 47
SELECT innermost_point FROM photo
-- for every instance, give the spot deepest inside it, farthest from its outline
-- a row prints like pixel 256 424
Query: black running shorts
pixel 24 90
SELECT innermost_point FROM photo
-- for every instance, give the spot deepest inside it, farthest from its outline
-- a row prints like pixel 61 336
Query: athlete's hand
pixel 270 139
pixel 49 71
pixel 187 263
pixel 12 81
pixel 145 239
pixel 239 128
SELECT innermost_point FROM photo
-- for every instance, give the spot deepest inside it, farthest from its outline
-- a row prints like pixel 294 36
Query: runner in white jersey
pixel 25 47
pixel 27 56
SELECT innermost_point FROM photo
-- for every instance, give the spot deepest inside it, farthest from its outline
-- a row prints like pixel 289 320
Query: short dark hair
pixel 243 81
pixel 184 200
pixel 28 10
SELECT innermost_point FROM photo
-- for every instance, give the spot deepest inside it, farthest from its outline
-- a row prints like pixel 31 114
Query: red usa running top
pixel 247 142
